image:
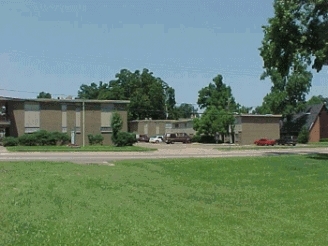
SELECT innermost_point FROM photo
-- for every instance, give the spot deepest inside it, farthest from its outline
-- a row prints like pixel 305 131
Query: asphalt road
pixel 163 152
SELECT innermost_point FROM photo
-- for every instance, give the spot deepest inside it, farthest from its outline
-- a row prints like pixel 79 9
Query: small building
pixel 314 118
pixel 160 127
pixel 76 117
pixel 249 127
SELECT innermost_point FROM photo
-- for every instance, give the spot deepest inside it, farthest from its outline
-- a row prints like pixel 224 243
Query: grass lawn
pixel 243 201
pixel 92 148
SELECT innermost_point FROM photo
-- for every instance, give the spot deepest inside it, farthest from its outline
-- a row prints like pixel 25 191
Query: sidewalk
pixel 3 149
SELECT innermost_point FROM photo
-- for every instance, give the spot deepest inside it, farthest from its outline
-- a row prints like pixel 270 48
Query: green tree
pixel 303 136
pixel 150 97
pixel 217 94
pixel 116 124
pixel 185 111
pixel 298 29
pixel 315 100
pixel 92 91
pixel 169 101
pixel 219 104
pixel 294 38
pixel 43 94
pixel 243 109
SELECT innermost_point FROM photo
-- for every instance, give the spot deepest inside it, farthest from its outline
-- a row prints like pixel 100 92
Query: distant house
pixel 72 116
pixel 249 127
pixel 314 118
pixel 160 127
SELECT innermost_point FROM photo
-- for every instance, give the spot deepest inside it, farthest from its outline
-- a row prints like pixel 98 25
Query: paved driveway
pixel 164 152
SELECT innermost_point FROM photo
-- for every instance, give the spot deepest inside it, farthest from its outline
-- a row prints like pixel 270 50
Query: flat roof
pixel 166 121
pixel 62 100
pixel 260 115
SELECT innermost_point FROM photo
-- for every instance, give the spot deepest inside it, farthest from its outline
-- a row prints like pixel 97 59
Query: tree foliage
pixel 116 125
pixel 185 111
pixel 43 94
pixel 299 28
pixel 294 38
pixel 219 105
pixel 315 100
pixel 303 136
pixel 150 97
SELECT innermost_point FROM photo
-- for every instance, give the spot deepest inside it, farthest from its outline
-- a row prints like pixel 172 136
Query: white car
pixel 156 139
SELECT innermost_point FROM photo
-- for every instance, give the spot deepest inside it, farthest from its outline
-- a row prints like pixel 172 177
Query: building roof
pixel 62 100
pixel 261 115
pixel 303 119
pixel 165 121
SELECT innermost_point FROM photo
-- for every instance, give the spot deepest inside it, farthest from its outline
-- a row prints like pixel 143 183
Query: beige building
pixel 249 127
pixel 76 117
pixel 160 127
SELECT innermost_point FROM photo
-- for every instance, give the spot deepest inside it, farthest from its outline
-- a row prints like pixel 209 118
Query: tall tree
pixel 217 94
pixel 150 97
pixel 299 28
pixel 43 94
pixel 293 39
pixel 186 111
pixel 316 100
pixel 219 105
pixel 92 91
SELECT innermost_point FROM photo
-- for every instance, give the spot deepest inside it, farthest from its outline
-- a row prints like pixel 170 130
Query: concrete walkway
pixel 3 149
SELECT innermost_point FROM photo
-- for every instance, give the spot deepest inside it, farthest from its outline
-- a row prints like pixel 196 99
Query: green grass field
pixel 245 201
pixel 92 148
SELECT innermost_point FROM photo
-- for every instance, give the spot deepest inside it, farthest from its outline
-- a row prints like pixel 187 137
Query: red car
pixel 265 142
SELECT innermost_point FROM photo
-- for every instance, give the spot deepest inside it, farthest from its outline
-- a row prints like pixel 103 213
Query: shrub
pixel 60 138
pixel 125 139
pixel 303 136
pixel 10 141
pixel 196 139
pixel 204 139
pixel 95 139
pixel 28 140
pixel 116 125
pixel 324 140
pixel 45 138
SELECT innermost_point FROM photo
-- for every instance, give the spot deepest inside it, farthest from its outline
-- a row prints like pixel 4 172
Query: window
pixel 105 129
pixel 106 117
pixel 64 117
pixel 78 119
pixel 168 126
pixel 176 125
pixel 31 117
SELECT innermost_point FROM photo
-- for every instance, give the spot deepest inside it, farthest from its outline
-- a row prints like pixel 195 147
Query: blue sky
pixel 55 46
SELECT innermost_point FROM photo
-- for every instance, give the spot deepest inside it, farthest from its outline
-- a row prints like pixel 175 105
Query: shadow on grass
pixel 279 153
pixel 318 156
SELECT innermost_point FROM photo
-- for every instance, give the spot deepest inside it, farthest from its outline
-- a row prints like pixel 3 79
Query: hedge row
pixel 39 138
pixel 95 139
pixel 204 139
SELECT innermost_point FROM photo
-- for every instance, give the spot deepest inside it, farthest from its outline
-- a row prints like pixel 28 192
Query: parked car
pixel 156 139
pixel 177 137
pixel 287 141
pixel 265 142
pixel 142 138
